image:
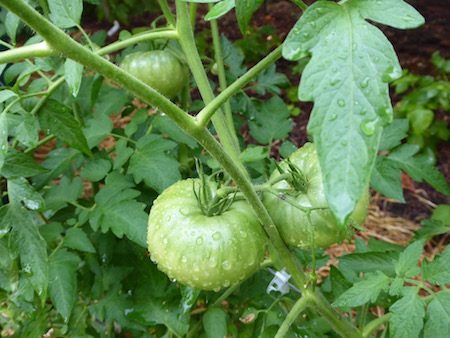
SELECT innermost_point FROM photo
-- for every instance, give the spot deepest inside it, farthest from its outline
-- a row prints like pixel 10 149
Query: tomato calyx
pixel 211 200
pixel 295 177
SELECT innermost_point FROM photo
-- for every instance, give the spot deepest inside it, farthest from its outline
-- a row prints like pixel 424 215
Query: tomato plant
pixel 206 252
pixel 159 69
pixel 300 209
pixel 101 172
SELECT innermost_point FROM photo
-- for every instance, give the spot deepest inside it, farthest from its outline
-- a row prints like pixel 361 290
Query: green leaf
pixel 407 315
pixel 417 166
pixel 58 119
pixel 32 247
pixel 97 128
pixel 270 81
pixel 58 161
pixel 151 163
pixel 244 11
pixel 20 190
pixel 12 22
pixel 27 131
pixel 166 126
pixel 272 121
pixel 438 271
pixel 431 228
pixel 63 281
pixel 393 134
pixel 73 73
pixel 65 192
pixel 65 14
pixel 123 153
pixel 367 290
pixel 20 165
pixel 220 9
pixel 351 63
pixel 78 240
pixel 96 169
pixel 117 210
pixel 386 179
pixel 6 94
pixel 215 323
pixel 351 265
pixel 442 214
pixel 438 316
pixel 407 264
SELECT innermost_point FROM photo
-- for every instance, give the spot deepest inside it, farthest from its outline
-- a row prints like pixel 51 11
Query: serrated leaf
pixel 151 163
pixel 97 128
pixel 438 316
pixel 20 165
pixel 438 271
pixel 351 60
pixel 57 119
pixel 95 170
pixel 351 265
pixel 215 323
pixel 364 291
pixel 73 73
pixel 123 153
pixel 407 264
pixel 65 14
pixel 386 179
pixel 58 161
pixel 270 81
pixel 166 126
pixel 417 166
pixel 393 134
pixel 12 22
pixel 63 281
pixel 27 131
pixel 64 192
pixel 396 286
pixel 407 315
pixel 431 228
pixel 32 247
pixel 78 240
pixel 272 121
pixel 20 190
pixel 233 57
pixel 117 210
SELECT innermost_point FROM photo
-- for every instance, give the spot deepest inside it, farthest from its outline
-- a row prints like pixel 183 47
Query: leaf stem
pixel 41 49
pixel 211 108
pixel 375 324
pixel 300 4
pixel 167 12
pixel 40 143
pixel 298 308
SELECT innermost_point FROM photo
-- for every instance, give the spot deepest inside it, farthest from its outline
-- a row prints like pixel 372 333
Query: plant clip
pixel 281 283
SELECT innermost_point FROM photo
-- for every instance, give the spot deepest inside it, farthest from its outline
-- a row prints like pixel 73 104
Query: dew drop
pixel 216 289
pixel 332 117
pixel 334 82
pixel 226 265
pixel 365 82
pixel 217 236
pixel 341 103
pixel 243 234
pixel 226 283
pixel 199 240
pixel 184 259
pixel 386 115
pixel 27 268
pixel 212 262
pixel 369 127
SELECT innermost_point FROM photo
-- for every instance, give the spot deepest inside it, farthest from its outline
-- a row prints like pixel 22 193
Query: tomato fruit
pixel 205 252
pixel 292 222
pixel 159 69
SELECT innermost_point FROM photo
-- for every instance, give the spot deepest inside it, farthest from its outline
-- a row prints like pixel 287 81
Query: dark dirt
pixel 414 49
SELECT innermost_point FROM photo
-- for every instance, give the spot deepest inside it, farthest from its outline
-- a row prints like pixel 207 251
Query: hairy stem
pixel 167 12
pixel 36 50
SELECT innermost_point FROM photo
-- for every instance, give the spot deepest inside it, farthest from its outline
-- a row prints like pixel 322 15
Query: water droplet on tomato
pixel 332 117
pixel 369 127
pixel 365 82
pixel 217 236
pixel 199 240
pixel 226 265
pixel 226 283
pixel 183 259
pixel 341 103
pixel 243 234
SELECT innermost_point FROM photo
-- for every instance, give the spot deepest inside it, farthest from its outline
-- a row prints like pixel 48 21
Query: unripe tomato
pixel 293 223
pixel 159 69
pixel 203 252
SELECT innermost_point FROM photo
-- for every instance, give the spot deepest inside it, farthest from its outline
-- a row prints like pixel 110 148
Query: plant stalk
pixel 375 324
pixel 298 308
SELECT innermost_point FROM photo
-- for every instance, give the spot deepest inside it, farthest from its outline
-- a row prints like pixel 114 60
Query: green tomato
pixel 159 69
pixel 293 223
pixel 203 252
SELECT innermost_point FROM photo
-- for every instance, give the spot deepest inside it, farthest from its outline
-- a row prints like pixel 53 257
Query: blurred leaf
pixel 393 134
pixel 78 240
pixel 96 169
pixel 407 264
pixel 73 73
pixel 20 164
pixel 438 271
pixel 20 190
pixel 438 316
pixel 215 323
pixel 386 179
pixel 407 315
pixel 65 14
pixel 244 11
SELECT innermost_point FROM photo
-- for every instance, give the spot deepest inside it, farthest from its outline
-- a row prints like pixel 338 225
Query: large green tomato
pixel 293 223
pixel 159 69
pixel 203 252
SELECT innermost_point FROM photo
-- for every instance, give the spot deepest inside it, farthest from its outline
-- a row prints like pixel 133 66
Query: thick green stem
pixel 187 41
pixel 221 71
pixel 300 4
pixel 375 324
pixel 298 308
pixel 36 50
pixel 206 113
pixel 339 324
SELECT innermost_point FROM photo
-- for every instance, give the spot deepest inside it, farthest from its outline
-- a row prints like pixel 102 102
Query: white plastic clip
pixel 280 282
pixel 114 29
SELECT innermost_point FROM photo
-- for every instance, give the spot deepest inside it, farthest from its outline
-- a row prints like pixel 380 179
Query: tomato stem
pixel 375 324
pixel 298 308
